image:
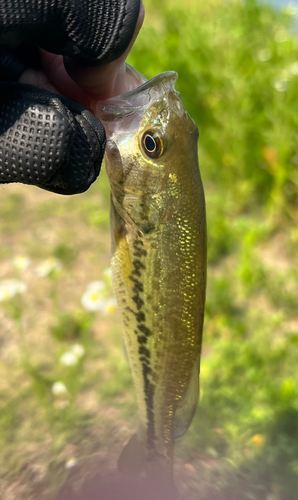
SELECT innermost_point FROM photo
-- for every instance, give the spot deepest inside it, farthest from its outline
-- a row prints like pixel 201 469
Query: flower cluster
pixel 10 288
pixel 59 389
pixel 48 267
pixel 61 394
pixel 72 357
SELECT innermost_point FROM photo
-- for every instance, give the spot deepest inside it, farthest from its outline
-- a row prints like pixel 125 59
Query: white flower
pixel 71 357
pixel 280 85
pixel 72 462
pixel 10 288
pixel 68 359
pixel 264 55
pixel 21 262
pixel 78 350
pixel 92 299
pixel 59 389
pixel 96 286
pixel 48 267
pixel 110 306
pixel 95 297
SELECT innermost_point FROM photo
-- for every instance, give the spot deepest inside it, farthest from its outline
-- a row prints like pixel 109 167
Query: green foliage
pixel 65 253
pixel 237 78
pixel 72 326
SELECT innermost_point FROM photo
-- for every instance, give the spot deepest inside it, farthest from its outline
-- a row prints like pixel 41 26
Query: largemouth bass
pixel 158 261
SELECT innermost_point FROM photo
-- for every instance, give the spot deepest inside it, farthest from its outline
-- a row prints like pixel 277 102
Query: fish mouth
pixel 161 79
pixel 137 98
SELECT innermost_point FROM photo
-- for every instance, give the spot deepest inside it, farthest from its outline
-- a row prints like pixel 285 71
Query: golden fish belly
pixel 159 280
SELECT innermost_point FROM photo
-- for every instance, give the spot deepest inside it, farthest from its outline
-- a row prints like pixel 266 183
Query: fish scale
pixel 158 231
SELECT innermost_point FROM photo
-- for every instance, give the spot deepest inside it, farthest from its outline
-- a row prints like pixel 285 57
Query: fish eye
pixel 152 144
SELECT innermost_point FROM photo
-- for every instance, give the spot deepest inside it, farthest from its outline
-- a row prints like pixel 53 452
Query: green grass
pixel 238 75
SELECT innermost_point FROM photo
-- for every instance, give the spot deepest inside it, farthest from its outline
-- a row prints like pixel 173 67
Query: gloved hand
pixel 45 139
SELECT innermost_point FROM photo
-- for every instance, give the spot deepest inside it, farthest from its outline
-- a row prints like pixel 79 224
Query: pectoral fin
pixel 187 407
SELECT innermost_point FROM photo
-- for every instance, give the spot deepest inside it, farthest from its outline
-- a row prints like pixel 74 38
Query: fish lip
pixel 165 77
pixel 136 99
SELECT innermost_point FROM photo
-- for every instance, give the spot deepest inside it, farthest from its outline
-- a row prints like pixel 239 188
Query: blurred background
pixel 67 402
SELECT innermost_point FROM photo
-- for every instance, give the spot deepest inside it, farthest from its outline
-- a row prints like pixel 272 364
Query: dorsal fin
pixel 187 406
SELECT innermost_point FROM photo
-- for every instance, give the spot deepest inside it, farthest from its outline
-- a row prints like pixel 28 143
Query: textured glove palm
pixel 47 140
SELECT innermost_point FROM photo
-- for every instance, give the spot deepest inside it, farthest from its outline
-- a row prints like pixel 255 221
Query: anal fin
pixel 187 406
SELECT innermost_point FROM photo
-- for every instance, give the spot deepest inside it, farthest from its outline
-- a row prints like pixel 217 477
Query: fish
pixel 158 233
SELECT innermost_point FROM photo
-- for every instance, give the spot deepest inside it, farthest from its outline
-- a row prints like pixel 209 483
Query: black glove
pixel 45 139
